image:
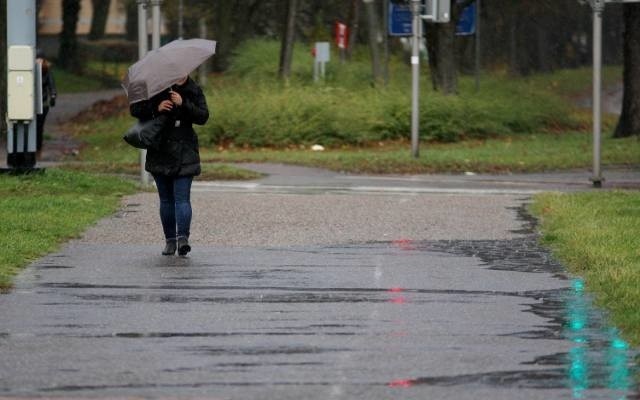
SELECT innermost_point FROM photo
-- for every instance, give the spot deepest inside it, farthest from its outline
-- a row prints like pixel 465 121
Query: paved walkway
pixel 313 289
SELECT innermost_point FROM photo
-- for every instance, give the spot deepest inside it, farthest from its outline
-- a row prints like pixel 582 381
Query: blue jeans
pixel 175 205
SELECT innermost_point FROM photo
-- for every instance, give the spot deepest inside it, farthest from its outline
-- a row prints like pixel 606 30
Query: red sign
pixel 342 35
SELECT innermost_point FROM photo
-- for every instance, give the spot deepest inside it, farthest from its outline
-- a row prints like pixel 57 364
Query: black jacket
pixel 178 154
pixel 49 91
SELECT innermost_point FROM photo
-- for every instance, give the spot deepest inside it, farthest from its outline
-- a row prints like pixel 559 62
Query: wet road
pixel 415 319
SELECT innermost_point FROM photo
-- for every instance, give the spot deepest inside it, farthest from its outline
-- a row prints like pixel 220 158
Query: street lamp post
pixel 415 78
pixel 143 47
pixel 180 19
pixel 155 24
pixel 598 9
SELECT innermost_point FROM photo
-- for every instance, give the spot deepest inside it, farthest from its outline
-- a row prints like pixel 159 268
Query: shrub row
pixel 251 108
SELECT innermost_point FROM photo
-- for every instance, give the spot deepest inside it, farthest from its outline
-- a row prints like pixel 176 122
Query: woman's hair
pixel 45 66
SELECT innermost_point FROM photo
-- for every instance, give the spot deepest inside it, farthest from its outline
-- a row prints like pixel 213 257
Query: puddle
pixel 599 359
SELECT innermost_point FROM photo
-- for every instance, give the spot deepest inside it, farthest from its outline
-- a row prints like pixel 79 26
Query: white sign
pixel 323 53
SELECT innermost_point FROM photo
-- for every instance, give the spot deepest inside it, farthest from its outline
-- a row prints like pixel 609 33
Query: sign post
pixel 415 78
pixel 436 11
pixel 322 55
pixel 143 47
pixel 342 38
pixel 598 7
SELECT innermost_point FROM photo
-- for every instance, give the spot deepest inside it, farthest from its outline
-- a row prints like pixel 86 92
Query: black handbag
pixel 146 134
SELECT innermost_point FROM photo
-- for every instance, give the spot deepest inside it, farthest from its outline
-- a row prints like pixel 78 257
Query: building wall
pixel 50 18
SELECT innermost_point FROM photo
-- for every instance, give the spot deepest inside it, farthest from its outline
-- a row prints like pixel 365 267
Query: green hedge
pixel 250 107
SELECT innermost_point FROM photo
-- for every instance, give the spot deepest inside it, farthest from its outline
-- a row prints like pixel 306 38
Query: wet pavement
pixel 436 319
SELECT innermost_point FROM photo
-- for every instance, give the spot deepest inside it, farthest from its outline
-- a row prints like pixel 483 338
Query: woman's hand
pixel 166 105
pixel 176 98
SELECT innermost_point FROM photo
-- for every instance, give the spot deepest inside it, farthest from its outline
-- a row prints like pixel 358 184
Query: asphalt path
pixel 304 286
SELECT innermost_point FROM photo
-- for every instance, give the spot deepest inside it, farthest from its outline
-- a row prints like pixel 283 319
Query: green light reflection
pixel 581 361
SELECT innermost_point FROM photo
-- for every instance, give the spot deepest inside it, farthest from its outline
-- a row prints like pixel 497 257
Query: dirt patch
pixel 103 109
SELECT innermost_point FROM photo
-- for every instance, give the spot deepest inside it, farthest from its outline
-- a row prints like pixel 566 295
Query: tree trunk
pixel 514 68
pixel 353 21
pixel 222 30
pixel 629 122
pixel 286 50
pixel 99 18
pixel 131 25
pixel 372 28
pixel 68 53
pixel 543 53
pixel 442 57
pixel 442 51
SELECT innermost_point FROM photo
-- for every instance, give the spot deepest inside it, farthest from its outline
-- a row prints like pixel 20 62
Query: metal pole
pixel 478 45
pixel 385 36
pixel 155 24
pixel 180 19
pixel 203 70
pixel 598 8
pixel 143 47
pixel 21 31
pixel 415 78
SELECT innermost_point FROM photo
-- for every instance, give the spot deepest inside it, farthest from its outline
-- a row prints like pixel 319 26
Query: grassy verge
pixel 597 235
pixel 521 153
pixel 210 171
pixel 542 152
pixel 41 211
pixel 67 82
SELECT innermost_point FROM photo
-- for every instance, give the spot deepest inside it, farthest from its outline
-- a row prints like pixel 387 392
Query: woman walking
pixel 177 160
pixel 49 94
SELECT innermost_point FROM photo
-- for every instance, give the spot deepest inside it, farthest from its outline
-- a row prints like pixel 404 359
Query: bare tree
pixel 442 52
pixel 353 23
pixel 372 28
pixel 286 50
pixel 68 53
pixel 629 122
pixel 99 18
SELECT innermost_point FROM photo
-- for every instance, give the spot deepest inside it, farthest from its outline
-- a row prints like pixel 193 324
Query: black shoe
pixel 183 246
pixel 170 248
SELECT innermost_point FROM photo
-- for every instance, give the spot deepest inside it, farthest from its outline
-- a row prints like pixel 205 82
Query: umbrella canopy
pixel 163 67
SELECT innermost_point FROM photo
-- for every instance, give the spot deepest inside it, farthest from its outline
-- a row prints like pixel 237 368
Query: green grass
pixel 520 153
pixel 597 236
pixel 542 152
pixel 575 82
pixel 41 211
pixel 67 82
pixel 109 71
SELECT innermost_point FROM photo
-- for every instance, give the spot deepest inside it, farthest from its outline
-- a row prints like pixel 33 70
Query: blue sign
pixel 400 20
pixel 467 22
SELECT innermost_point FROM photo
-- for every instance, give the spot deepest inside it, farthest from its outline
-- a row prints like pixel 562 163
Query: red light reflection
pixel 404 244
pixel 398 300
pixel 401 383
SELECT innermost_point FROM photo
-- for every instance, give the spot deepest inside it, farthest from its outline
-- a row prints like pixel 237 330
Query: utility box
pixel 20 83
pixel 437 11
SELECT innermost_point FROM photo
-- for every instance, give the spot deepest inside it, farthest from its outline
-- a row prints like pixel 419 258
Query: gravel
pixel 268 219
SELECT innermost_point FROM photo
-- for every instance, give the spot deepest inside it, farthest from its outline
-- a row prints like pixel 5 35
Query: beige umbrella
pixel 161 68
